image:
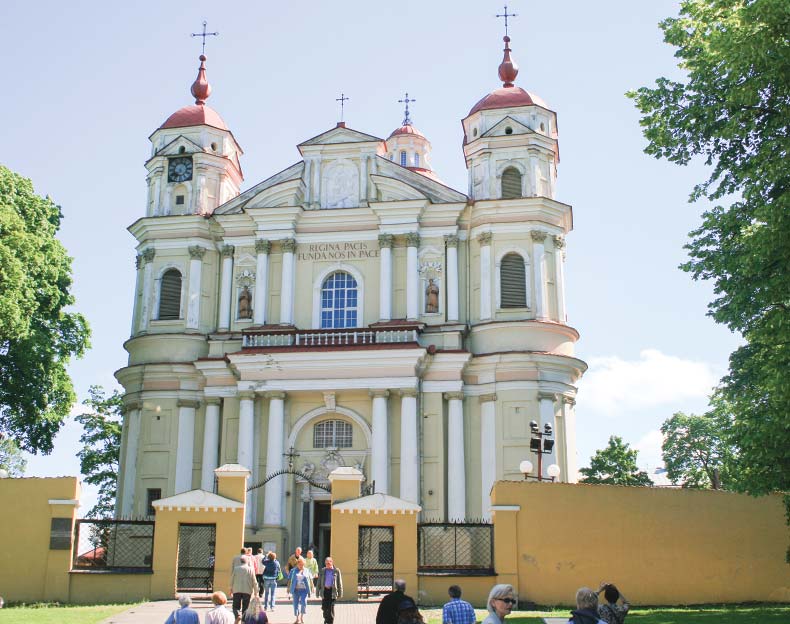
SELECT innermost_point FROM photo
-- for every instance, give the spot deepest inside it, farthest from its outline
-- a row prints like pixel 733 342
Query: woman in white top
pixel 219 614
pixel 501 601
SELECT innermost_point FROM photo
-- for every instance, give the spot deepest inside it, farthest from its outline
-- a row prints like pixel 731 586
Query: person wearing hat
pixel 408 613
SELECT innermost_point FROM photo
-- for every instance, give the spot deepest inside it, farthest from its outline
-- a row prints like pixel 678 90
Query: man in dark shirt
pixel 388 609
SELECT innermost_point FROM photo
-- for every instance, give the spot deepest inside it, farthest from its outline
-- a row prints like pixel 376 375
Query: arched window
pixel 170 295
pixel 511 183
pixel 403 159
pixel 332 434
pixel 512 282
pixel 339 305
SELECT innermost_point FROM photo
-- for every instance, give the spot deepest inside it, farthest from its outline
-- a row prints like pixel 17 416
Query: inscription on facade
pixel 352 250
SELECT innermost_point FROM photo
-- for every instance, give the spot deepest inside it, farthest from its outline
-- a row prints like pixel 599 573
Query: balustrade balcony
pixel 307 338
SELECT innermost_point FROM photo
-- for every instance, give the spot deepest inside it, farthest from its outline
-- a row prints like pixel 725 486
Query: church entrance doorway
pixel 322 530
pixel 196 544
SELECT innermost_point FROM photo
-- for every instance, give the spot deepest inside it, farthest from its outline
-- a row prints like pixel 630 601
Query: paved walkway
pixel 345 613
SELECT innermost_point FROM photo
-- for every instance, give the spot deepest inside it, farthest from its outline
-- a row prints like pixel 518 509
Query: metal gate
pixel 376 560
pixel 196 543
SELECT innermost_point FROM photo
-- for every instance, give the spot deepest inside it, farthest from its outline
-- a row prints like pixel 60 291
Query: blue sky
pixel 85 83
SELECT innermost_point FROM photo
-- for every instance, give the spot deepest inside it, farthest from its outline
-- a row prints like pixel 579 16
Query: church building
pixel 350 310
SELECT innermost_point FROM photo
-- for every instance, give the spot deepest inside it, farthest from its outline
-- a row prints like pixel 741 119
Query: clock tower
pixel 194 165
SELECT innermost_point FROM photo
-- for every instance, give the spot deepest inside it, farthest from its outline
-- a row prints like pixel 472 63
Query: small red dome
pixel 507 97
pixel 407 129
pixel 194 115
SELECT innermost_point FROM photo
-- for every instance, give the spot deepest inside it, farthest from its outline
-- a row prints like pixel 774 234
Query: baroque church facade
pixel 351 310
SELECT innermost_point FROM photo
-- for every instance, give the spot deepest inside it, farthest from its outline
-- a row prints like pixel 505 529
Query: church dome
pixel 507 97
pixel 197 114
pixel 406 129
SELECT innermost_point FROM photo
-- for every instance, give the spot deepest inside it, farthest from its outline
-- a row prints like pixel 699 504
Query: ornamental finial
pixel 201 89
pixel 508 70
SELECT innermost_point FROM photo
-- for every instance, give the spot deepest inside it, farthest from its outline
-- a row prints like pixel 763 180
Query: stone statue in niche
pixel 431 297
pixel 342 186
pixel 245 303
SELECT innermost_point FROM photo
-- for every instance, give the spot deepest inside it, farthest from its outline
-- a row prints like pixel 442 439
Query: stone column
pixel 569 467
pixel 196 253
pixel 452 278
pixel 287 285
pixel 244 456
pixel 559 280
pixel 226 292
pixel 363 181
pixel 385 277
pixel 409 451
pixel 262 248
pixel 148 275
pixel 185 451
pixel 412 277
pixel 308 187
pixel 546 410
pixel 539 272
pixel 273 490
pixel 380 461
pixel 210 444
pixel 488 450
pixel 130 465
pixel 456 466
pixel 138 264
pixel 484 239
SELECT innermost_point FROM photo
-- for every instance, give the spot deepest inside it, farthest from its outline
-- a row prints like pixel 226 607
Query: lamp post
pixel 541 443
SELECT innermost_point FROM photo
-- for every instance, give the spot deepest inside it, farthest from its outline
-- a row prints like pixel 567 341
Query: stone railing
pixel 327 337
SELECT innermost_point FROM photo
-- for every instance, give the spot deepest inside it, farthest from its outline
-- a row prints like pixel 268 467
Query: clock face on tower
pixel 179 170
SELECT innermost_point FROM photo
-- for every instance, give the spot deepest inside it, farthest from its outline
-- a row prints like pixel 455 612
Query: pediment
pixel 172 148
pixel 340 135
pixel 498 129
pixel 426 187
pixel 277 190
pixel 391 189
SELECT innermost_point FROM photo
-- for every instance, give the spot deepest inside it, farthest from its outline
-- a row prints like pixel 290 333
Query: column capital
pixel 547 396
pixel 385 240
pixel 379 394
pixel 246 394
pixel 212 401
pixel 196 252
pixel 451 240
pixel 288 245
pixel 538 235
pixel 568 400
pixel 138 261
pixel 487 398
pixel 188 403
pixel 559 242
pixel 262 246
pixel 130 406
pixel 275 394
pixel 408 392
pixel 413 239
pixel 228 251
pixel 484 238
pixel 456 395
pixel 148 255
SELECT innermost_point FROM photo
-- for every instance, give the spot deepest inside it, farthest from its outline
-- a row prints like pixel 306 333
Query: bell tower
pixel 194 165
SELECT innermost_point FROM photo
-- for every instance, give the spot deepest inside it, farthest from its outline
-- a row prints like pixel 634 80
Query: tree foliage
pixel 101 447
pixel 698 451
pixel 615 465
pixel 732 108
pixel 11 458
pixel 37 336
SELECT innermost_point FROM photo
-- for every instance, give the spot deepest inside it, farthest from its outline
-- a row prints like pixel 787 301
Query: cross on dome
pixel 205 34
pixel 506 15
pixel 406 100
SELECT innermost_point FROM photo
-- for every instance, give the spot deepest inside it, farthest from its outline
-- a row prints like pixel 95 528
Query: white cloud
pixel 649 447
pixel 615 386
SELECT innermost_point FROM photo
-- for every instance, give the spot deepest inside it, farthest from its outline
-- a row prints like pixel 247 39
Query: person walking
pixel 457 611
pixel 388 607
pixel 300 586
pixel 255 612
pixel 271 572
pixel 259 570
pixel 291 564
pixel 408 613
pixel 219 614
pixel 501 600
pixel 311 565
pixel 611 612
pixel 586 611
pixel 184 614
pixel 242 586
pixel 329 589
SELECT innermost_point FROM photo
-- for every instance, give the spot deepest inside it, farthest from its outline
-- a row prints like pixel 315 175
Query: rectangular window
pixel 403 159
pixel 152 494
pixel 416 159
pixel 179 200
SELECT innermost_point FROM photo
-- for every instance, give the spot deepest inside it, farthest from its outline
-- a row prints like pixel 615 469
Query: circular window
pixel 508 130
pixel 474 132
pixel 182 149
pixel 213 147
pixel 542 127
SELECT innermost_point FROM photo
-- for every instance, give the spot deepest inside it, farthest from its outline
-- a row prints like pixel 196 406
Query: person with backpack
pixel 611 612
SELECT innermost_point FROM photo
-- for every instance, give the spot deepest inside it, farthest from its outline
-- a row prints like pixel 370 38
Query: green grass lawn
pixel 56 614
pixel 756 614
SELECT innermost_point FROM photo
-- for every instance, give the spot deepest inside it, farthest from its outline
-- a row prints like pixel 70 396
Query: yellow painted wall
pixel 433 589
pixel 662 546
pixel 29 570
pixel 92 587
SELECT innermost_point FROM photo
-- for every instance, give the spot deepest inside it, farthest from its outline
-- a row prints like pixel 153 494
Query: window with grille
pixel 512 282
pixel 170 295
pixel 416 159
pixel 403 159
pixel 339 306
pixel 332 434
pixel 151 496
pixel 511 183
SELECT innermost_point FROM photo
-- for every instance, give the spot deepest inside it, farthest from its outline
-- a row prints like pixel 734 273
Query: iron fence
pixel 113 545
pixel 455 547
pixel 376 561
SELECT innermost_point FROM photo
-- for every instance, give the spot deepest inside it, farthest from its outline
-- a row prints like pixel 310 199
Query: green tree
pixel 101 447
pixel 732 108
pixel 11 458
pixel 697 450
pixel 37 336
pixel 615 465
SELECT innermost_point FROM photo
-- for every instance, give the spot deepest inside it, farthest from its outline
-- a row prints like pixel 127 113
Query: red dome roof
pixel 507 97
pixel 407 129
pixel 194 115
